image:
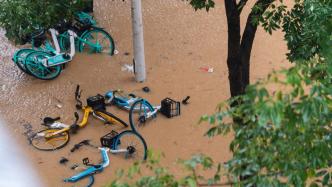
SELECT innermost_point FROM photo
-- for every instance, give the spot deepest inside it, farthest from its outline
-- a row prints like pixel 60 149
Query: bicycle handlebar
pixel 78 92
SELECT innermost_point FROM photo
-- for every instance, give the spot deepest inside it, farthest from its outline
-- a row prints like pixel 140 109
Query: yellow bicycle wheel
pixel 49 144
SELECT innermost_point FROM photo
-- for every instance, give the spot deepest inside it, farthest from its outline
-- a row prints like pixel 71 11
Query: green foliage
pixel 21 17
pixel 155 175
pixel 307 28
pixel 202 4
pixel 306 25
pixel 283 136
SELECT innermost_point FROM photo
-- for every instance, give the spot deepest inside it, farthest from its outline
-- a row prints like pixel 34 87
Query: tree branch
pixel 249 36
pixel 218 184
pixel 241 4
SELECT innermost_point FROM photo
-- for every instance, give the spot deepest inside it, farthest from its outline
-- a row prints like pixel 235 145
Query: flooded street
pixel 178 43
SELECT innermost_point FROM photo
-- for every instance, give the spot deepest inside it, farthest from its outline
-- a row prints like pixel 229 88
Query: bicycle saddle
pixel 48 120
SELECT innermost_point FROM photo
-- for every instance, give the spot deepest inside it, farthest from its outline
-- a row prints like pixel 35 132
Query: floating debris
pixel 207 69
pixel 128 68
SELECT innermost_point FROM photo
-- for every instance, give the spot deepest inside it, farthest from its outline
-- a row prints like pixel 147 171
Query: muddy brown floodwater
pixel 178 42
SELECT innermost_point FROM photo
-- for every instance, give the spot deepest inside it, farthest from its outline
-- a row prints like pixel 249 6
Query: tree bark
pixel 239 49
pixel 248 40
pixel 234 39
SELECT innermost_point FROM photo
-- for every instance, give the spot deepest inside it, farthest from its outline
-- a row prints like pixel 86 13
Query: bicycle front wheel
pixel 97 41
pixel 33 64
pixel 134 144
pixel 49 144
pixel 138 114
pixel 19 58
pixel 64 41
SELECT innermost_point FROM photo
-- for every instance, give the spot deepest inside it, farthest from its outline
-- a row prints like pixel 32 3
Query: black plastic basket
pixel 96 102
pixel 108 139
pixel 38 37
pixel 170 108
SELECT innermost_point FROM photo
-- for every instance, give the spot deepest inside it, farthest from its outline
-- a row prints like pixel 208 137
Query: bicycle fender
pixel 96 27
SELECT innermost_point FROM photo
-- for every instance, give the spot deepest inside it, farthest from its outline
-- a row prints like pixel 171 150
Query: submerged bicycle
pixel 129 143
pixel 141 110
pixel 56 135
pixel 90 38
pixel 46 65
pixel 39 43
pixel 46 62
pixel 123 100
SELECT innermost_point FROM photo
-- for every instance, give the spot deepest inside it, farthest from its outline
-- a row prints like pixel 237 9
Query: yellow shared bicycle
pixel 57 136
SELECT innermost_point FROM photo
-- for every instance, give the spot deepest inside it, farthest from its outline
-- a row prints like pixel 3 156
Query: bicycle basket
pixel 108 139
pixel 38 37
pixel 85 18
pixel 96 102
pixel 63 26
pixel 170 108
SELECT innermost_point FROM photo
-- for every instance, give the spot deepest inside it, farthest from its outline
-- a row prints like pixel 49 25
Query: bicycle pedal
pixel 73 167
pixel 86 161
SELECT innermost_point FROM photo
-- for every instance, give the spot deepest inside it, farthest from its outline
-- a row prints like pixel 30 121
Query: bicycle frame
pixel 60 58
pixel 92 169
pixel 79 38
pixel 96 168
pixel 152 111
pixel 124 101
pixel 87 111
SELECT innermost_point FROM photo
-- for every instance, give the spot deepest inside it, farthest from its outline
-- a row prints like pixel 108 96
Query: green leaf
pixel 326 179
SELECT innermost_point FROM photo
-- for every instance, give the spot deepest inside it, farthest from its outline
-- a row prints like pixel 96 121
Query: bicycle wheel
pixel 97 41
pixel 33 64
pixel 64 41
pixel 49 144
pixel 111 118
pixel 133 143
pixel 19 58
pixel 138 114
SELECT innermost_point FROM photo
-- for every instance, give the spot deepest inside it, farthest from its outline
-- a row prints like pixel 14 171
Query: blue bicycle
pixel 130 143
pixel 140 110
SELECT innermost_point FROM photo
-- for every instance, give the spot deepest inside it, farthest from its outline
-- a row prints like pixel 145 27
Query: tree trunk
pixel 239 51
pixel 233 56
